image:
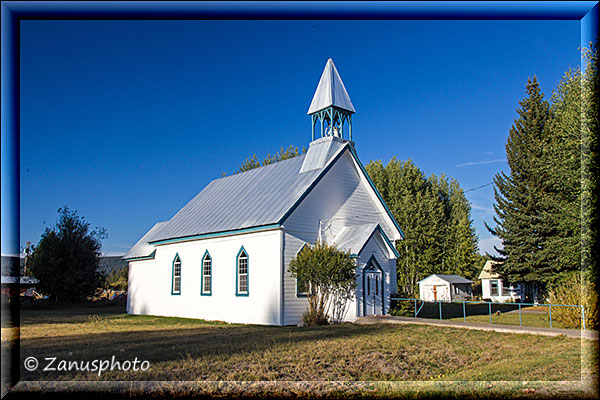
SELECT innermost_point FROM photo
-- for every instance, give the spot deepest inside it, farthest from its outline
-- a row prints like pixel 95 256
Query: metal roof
pixel 142 248
pixel 255 198
pixel 330 91
pixel 319 152
pixel 449 278
pixel 353 238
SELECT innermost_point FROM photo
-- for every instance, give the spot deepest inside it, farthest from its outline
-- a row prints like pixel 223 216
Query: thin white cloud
pixel 487 246
pixel 467 164
pixel 476 207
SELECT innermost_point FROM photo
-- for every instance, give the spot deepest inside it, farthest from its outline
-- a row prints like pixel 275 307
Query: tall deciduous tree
pixel 561 195
pixel 435 217
pixel 66 259
pixel 590 113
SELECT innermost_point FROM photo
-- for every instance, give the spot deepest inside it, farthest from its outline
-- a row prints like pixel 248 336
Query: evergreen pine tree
pixel 519 216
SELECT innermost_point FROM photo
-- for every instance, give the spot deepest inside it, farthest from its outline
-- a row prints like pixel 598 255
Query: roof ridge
pixel 257 168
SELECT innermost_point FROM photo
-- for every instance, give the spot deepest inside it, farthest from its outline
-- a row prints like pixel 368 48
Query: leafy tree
pixel 435 217
pixel 590 112
pixel 574 288
pixel 519 206
pixel 460 240
pixel 329 276
pixel 117 279
pixel 283 154
pixel 560 199
pixel 66 259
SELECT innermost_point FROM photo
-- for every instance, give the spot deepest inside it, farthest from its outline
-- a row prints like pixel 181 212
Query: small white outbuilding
pixel 445 288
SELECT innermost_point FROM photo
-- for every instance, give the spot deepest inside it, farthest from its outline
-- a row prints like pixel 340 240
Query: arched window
pixel 206 280
pixel 176 281
pixel 242 273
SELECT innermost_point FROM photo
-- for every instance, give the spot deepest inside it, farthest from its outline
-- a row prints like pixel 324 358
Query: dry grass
pixel 184 349
pixel 194 350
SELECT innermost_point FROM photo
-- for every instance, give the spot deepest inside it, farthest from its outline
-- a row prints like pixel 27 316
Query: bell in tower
pixel 331 105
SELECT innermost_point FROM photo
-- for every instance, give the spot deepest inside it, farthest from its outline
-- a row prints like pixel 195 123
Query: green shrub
pixel 311 317
pixel 328 276
pixel 574 288
pixel 403 308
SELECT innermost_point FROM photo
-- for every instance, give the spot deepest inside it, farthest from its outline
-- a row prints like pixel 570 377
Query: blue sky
pixel 126 121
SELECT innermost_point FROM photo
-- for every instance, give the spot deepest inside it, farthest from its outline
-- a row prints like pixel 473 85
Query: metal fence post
pixel 415 308
pixel 520 321
pixel 550 314
pixel 490 308
pixel 464 313
pixel 583 317
pixel 440 303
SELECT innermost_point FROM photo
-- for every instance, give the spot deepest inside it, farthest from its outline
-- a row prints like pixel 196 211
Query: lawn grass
pixel 181 349
pixel 198 358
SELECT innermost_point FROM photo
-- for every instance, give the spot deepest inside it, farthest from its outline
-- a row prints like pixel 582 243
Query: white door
pixel 372 291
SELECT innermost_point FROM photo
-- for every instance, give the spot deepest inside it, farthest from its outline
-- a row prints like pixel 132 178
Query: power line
pixel 479 187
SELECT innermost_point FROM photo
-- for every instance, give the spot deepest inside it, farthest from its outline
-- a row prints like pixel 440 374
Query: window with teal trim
pixel 176 283
pixel 242 273
pixel 206 274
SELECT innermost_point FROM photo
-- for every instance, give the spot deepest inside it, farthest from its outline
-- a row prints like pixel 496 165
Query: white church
pixel 225 255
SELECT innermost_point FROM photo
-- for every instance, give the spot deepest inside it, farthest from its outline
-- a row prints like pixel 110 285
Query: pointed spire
pixel 330 91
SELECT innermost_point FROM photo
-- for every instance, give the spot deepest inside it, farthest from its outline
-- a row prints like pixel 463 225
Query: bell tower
pixel 331 105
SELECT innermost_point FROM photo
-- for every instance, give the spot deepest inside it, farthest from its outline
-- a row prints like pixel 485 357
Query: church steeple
pixel 331 104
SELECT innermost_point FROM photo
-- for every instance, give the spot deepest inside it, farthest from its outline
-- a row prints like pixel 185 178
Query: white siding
pixel 510 293
pixel 426 289
pixel 150 281
pixel 293 306
pixel 341 198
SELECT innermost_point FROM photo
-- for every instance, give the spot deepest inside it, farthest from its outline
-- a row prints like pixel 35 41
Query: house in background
pixel 11 284
pixel 494 288
pixel 438 287
pixel 225 255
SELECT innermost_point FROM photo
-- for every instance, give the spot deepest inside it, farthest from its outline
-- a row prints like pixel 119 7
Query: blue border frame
pixel 237 258
pixel 12 12
pixel 173 293
pixel 373 263
pixel 202 292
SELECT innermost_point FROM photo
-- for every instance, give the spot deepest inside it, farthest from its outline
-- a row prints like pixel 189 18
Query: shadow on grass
pixel 208 340
pixel 187 349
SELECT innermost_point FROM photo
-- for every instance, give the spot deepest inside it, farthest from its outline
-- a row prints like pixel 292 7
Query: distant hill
pixel 111 263
pixel 107 264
